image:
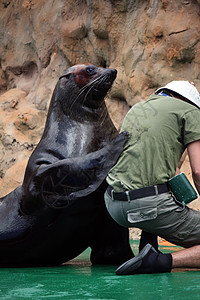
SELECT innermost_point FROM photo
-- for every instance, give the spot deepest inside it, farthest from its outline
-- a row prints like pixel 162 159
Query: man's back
pixel 159 130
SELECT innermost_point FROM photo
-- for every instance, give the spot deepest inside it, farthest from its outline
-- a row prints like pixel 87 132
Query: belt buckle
pixel 112 194
pixel 128 196
pixel 156 189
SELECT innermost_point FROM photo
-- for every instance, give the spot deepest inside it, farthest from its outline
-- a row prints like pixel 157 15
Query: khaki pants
pixel 160 215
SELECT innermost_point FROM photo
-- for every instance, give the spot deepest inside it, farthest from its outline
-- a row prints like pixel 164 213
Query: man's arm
pixel 194 156
pixel 178 169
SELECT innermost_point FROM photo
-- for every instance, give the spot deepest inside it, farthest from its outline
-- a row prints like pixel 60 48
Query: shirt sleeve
pixel 191 126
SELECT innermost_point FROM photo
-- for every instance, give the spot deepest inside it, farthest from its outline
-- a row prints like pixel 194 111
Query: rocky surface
pixel 149 42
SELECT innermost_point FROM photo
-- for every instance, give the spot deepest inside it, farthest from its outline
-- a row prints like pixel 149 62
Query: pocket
pixel 142 214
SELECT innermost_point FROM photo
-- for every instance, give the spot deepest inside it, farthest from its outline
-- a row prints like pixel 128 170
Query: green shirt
pixel 159 131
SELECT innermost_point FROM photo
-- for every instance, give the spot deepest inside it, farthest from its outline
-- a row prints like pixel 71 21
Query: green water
pixel 80 280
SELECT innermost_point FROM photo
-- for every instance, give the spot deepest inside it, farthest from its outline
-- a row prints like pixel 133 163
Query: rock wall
pixel 149 42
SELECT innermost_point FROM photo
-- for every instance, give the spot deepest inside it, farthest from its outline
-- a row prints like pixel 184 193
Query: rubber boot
pixel 148 261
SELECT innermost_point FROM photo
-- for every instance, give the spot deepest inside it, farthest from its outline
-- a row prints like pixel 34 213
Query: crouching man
pixel 139 195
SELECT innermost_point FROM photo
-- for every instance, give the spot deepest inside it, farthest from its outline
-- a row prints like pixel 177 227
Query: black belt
pixel 138 193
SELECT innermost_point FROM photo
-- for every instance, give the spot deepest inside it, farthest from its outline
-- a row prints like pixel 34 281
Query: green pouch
pixel 182 189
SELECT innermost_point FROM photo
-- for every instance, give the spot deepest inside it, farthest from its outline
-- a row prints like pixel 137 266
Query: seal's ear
pixel 65 75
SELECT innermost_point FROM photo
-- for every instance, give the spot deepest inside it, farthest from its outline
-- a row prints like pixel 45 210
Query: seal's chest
pixel 78 138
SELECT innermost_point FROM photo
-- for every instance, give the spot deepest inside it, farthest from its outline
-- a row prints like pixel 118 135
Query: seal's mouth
pixel 105 80
pixel 104 85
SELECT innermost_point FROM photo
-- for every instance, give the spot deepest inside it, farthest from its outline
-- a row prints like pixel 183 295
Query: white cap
pixel 183 88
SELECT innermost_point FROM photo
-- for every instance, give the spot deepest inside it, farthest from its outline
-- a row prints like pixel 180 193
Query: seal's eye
pixel 91 70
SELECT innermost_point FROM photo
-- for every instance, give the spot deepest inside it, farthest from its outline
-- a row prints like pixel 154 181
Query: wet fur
pixel 77 148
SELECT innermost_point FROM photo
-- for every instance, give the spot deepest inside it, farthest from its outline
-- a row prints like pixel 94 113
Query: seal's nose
pixel 113 73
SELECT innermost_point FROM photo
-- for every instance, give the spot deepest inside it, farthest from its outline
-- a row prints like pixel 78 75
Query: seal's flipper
pixel 77 177
pixel 100 162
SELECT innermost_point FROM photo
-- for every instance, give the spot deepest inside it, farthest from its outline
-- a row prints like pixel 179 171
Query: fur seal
pixel 59 209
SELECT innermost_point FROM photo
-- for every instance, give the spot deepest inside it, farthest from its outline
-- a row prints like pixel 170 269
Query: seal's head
pixel 83 88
